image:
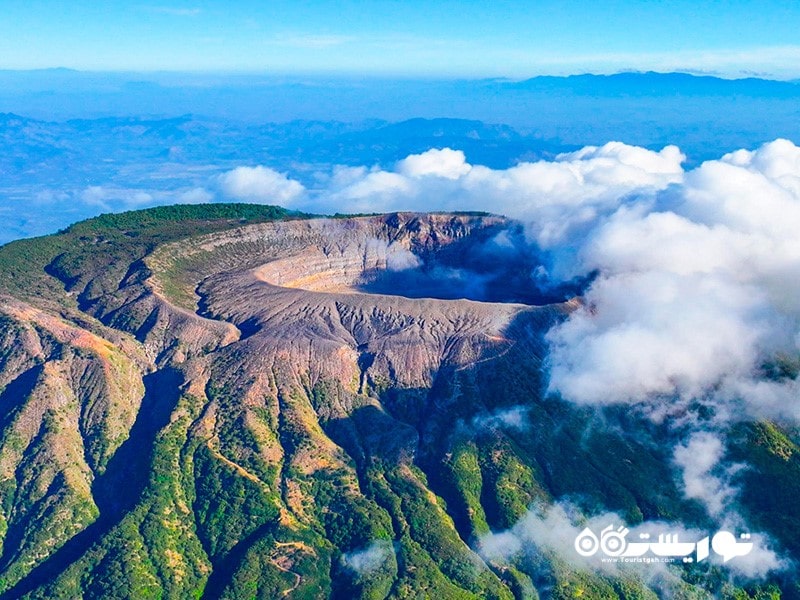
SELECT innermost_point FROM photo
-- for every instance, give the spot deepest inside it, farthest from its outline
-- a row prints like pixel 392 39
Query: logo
pixel 613 543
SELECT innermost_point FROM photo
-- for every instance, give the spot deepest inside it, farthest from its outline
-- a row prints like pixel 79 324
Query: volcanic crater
pixel 481 258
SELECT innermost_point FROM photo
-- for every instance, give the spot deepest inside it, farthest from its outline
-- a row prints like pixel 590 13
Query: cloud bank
pixel 556 198
pixel 698 458
pixel 694 299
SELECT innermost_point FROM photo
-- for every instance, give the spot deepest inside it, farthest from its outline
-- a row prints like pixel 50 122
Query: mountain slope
pixel 210 402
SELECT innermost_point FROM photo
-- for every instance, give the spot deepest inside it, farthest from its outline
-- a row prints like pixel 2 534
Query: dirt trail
pixel 297 578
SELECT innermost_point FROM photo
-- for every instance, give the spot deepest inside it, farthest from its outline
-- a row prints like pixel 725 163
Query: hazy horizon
pixel 450 38
pixel 316 74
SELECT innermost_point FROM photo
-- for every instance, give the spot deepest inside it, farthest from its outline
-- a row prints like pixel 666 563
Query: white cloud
pixel 750 192
pixel 261 185
pixel 771 399
pixel 376 186
pixel 698 459
pixel 513 418
pixel 556 198
pixel 760 561
pixel 196 195
pixel 447 163
pixel 554 530
pixel 391 255
pixel 108 197
pixel 644 336
pixel 369 559
pixel 691 302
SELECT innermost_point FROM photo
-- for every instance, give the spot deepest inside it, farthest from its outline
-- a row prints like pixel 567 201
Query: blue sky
pixel 412 38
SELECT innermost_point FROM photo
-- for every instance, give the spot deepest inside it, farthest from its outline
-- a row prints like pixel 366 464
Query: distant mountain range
pixel 649 82
pixel 286 98
pixel 704 115
pixel 661 84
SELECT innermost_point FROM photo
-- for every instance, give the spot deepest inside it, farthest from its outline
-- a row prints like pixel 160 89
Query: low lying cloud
pixel 394 256
pixel 260 185
pixel 760 561
pixel 658 338
pixel 551 533
pixel 369 559
pixel 100 196
pixel 515 418
pixel 554 530
pixel 698 459
pixel 695 298
pixel 446 163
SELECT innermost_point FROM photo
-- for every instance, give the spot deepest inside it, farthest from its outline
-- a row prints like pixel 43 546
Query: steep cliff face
pixel 223 407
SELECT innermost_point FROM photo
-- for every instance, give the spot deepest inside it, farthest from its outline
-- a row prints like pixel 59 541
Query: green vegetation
pixel 771 486
pixel 466 478
pixel 94 256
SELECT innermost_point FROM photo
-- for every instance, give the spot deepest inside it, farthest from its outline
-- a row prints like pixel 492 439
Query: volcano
pixel 237 401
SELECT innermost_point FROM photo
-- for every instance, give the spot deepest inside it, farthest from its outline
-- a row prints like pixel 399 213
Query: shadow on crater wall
pixel 496 264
